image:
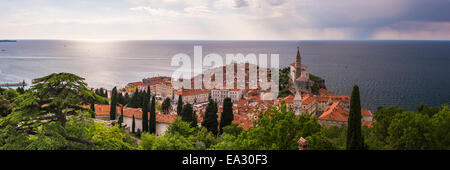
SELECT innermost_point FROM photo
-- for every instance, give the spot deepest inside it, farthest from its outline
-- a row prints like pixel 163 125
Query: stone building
pixel 219 95
pixel 193 96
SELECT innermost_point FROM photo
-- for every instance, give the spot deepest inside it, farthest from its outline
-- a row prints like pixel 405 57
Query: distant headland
pixel 8 40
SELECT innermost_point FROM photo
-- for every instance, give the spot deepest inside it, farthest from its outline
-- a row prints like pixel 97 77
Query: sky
pixel 226 19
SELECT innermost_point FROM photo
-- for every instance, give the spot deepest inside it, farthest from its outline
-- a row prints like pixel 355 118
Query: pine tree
pixel 227 114
pixel 133 125
pixel 355 140
pixel 145 114
pixel 210 119
pixel 113 109
pixel 152 122
pixel 180 105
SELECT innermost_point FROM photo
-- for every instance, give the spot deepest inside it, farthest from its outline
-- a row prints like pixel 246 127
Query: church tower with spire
pixel 298 64
pixel 298 103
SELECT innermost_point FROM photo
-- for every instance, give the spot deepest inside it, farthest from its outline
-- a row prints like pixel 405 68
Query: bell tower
pixel 298 103
pixel 298 64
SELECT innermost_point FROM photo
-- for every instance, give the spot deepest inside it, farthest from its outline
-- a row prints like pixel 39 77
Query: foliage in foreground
pixel 50 116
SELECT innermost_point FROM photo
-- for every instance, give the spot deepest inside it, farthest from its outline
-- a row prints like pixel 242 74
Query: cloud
pixel 240 3
pixel 414 31
pixel 228 19
pixel 157 12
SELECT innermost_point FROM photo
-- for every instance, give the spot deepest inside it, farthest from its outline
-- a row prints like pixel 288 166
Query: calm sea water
pixel 403 73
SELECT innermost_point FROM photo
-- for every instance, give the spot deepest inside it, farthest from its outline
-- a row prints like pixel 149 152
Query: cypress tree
pixel 145 114
pixel 141 99
pixel 93 109
pixel 113 109
pixel 210 119
pixel 194 119
pixel 133 125
pixel 134 99
pixel 126 99
pixel 355 140
pixel 227 113
pixel 152 122
pixel 120 99
pixel 187 114
pixel 180 105
pixel 121 116
pixel 166 105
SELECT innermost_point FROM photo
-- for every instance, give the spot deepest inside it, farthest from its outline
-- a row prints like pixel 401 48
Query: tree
pixel 188 115
pixel 120 99
pixel 179 105
pixel 10 94
pixel 203 139
pixel 276 129
pixel 166 106
pixel 318 142
pixel 20 90
pixel 145 114
pixel 152 122
pixel 166 142
pixel 126 99
pixel 54 104
pixel 179 135
pixel 227 114
pixel 121 116
pixel 233 129
pixel 355 140
pixel 133 125
pixel 113 109
pixel 383 118
pixel 410 130
pixel 93 109
pixel 440 123
pixel 5 107
pixel 134 99
pixel 183 128
pixel 210 119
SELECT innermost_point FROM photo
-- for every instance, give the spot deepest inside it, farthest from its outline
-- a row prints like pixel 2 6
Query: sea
pixel 403 73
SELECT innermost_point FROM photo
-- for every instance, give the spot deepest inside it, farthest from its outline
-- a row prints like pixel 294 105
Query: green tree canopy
pixel 50 116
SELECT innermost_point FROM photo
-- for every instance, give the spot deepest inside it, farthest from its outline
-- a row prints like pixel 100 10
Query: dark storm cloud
pixel 434 10
pixel 275 2
pixel 366 17
pixel 240 3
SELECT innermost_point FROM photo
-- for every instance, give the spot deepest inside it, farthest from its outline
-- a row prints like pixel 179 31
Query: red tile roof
pixel 129 112
pixel 307 100
pixel 366 112
pixel 323 91
pixel 188 92
pixel 367 123
pixel 335 113
pixel 323 98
